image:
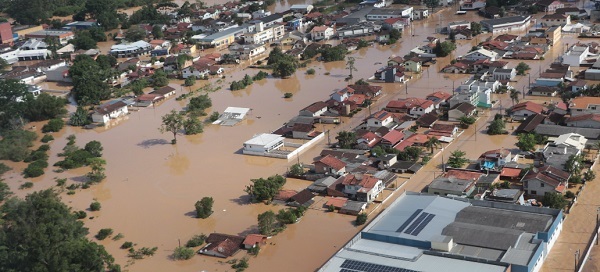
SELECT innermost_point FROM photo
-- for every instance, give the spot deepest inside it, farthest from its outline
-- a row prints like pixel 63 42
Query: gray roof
pixel 558 156
pixel 450 184
pixel 523 221
pixel 351 205
pixel 487 179
pixel 482 236
pixel 224 33
pixel 505 20
pixel 554 130
pixel 321 184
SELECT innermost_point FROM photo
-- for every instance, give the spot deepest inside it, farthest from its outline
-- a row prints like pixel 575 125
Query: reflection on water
pixel 178 164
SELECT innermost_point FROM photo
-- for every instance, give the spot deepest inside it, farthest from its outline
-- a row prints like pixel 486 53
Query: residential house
pixel 247 51
pixel 262 33
pixel 367 140
pixel 314 109
pixel 459 67
pixel 507 38
pixel 222 245
pixel 303 198
pixel 453 26
pixel 525 109
pixel 391 74
pixel 394 23
pixel 463 34
pixel 491 12
pixel 419 14
pixel 301 8
pixel 413 106
pixel 109 110
pixel 330 165
pixel 254 240
pixel 546 179
pixel 395 61
pixel 319 33
pixel 473 5
pixel 387 160
pixel 578 85
pixel 438 98
pixel 443 131
pixel 427 120
pixel 454 183
pixel 59 36
pixel 584 105
pixel 362 187
pixel 550 79
pixel 573 140
pixel 544 91
pixel 494 159
pixel 342 95
pixel 405 167
pixel 414 65
pixel 370 91
pixel 506 24
pixel 530 123
pixel 481 54
pixel 504 74
pixel 130 50
pixel 381 118
pixel 165 91
pixel 356 30
pixel 590 120
pixel 379 14
pixel 576 55
pixel 392 138
pixel 353 207
pixel 556 19
pixel 549 6
pixel 466 97
pixel 461 110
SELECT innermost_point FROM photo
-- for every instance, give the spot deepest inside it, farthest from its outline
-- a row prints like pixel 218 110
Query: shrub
pixel 204 207
pixel 254 250
pixel 36 155
pixel 214 116
pixel 196 240
pixel 80 214
pixel 95 206
pixel 126 245
pixel 240 265
pixel 310 71
pixel 361 219
pixel 103 233
pixel 4 168
pixel 43 148
pixel 286 217
pixel 33 170
pixel 183 253
pixel 569 194
pixel 118 237
pixel 54 125
pixel 331 208
pixel 61 182
pixel 47 138
pixel 288 95
pixel 26 185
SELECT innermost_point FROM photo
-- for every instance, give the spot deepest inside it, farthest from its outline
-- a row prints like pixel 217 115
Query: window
pixel 534 192
pixel 542 184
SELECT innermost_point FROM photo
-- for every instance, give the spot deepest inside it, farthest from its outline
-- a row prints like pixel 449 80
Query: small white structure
pixel 481 54
pixel 231 116
pixel 263 143
pixel 109 110
pixel 571 140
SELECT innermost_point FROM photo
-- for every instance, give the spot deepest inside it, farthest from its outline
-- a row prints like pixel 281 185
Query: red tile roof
pixel 510 172
pixel 530 106
pixel 255 239
pixel 284 195
pixel 332 162
pixel 464 175
pixel 393 137
pixel 409 103
pixel 582 102
pixel 337 202
pixel 591 116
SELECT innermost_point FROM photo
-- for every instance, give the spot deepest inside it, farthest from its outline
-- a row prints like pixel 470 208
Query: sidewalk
pixel 576 232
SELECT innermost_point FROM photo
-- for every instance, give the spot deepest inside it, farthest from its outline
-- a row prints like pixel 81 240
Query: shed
pixel 303 198
pixel 352 207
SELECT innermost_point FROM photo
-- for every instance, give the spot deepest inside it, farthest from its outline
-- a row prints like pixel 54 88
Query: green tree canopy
pixel 554 200
pixel 204 207
pixel 89 81
pixel 521 68
pixel 526 142
pixel 346 139
pixel 265 189
pixel 11 92
pixel 44 107
pixel 267 223
pixel 172 122
pixel 496 127
pixel 457 159
pixel 40 233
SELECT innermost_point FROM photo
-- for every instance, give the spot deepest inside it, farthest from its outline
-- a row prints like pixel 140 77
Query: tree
pixel 192 125
pixel 54 125
pixel 514 96
pixel 95 148
pixel 83 40
pixel 410 153
pixel 334 53
pixel 199 103
pixel 457 159
pixel 172 122
pixel 526 142
pixel 444 49
pixel 285 68
pixel 204 207
pixel 95 206
pixel 11 92
pixel 183 253
pixel 395 35
pixel 135 33
pixel 190 81
pixel 521 68
pixel 350 65
pixel 4 65
pixel 432 142
pixel 43 107
pixel 106 62
pixel 89 81
pixel 475 28
pixel 432 4
pixel 267 222
pixel 286 217
pixel 346 139
pixel 157 32
pixel 496 127
pixel 40 233
pixel 97 170
pixel 554 200
pixel 466 121
pixel 80 117
pixel 265 189
pixel 361 219
pixel 159 79
pixel 196 240
pixel 296 170
pixel 589 175
pixel 574 165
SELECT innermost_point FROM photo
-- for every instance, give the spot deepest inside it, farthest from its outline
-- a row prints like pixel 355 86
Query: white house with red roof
pixel 413 106
pixel 319 33
pixel 525 109
pixel 381 118
pixel 361 187
pixel 342 95
pixel 368 141
pixel 392 138
pixel 330 165
pixel 438 98
pixel 591 120
pixel 546 179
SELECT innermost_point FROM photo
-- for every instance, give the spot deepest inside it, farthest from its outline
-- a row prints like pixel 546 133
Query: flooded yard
pixel 152 186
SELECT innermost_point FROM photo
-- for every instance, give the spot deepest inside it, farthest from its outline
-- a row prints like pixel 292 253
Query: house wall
pixel 449 192
pixel 412 66
pixel 419 111
pixel 454 115
pixel 521 114
pixel 538 93
pixel 584 124
pixel 537 188
pixel 550 82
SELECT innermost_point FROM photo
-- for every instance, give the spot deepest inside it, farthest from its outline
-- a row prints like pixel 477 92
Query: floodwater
pixel 152 186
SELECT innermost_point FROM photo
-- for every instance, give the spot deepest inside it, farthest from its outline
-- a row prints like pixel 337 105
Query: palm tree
pixel 514 96
pixel 431 143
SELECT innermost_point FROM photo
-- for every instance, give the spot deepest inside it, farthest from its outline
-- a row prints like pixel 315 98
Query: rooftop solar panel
pixel 415 224
pixel 410 219
pixel 423 224
pixel 353 266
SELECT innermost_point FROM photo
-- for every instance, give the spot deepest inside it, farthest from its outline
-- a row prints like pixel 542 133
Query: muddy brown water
pixel 152 186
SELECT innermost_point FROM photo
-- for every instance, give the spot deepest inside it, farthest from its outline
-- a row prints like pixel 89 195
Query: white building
pixel 576 55
pixel 261 34
pixel 382 14
pixel 507 24
pixel 130 50
pixel 481 54
pixel 263 143
pixel 110 110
